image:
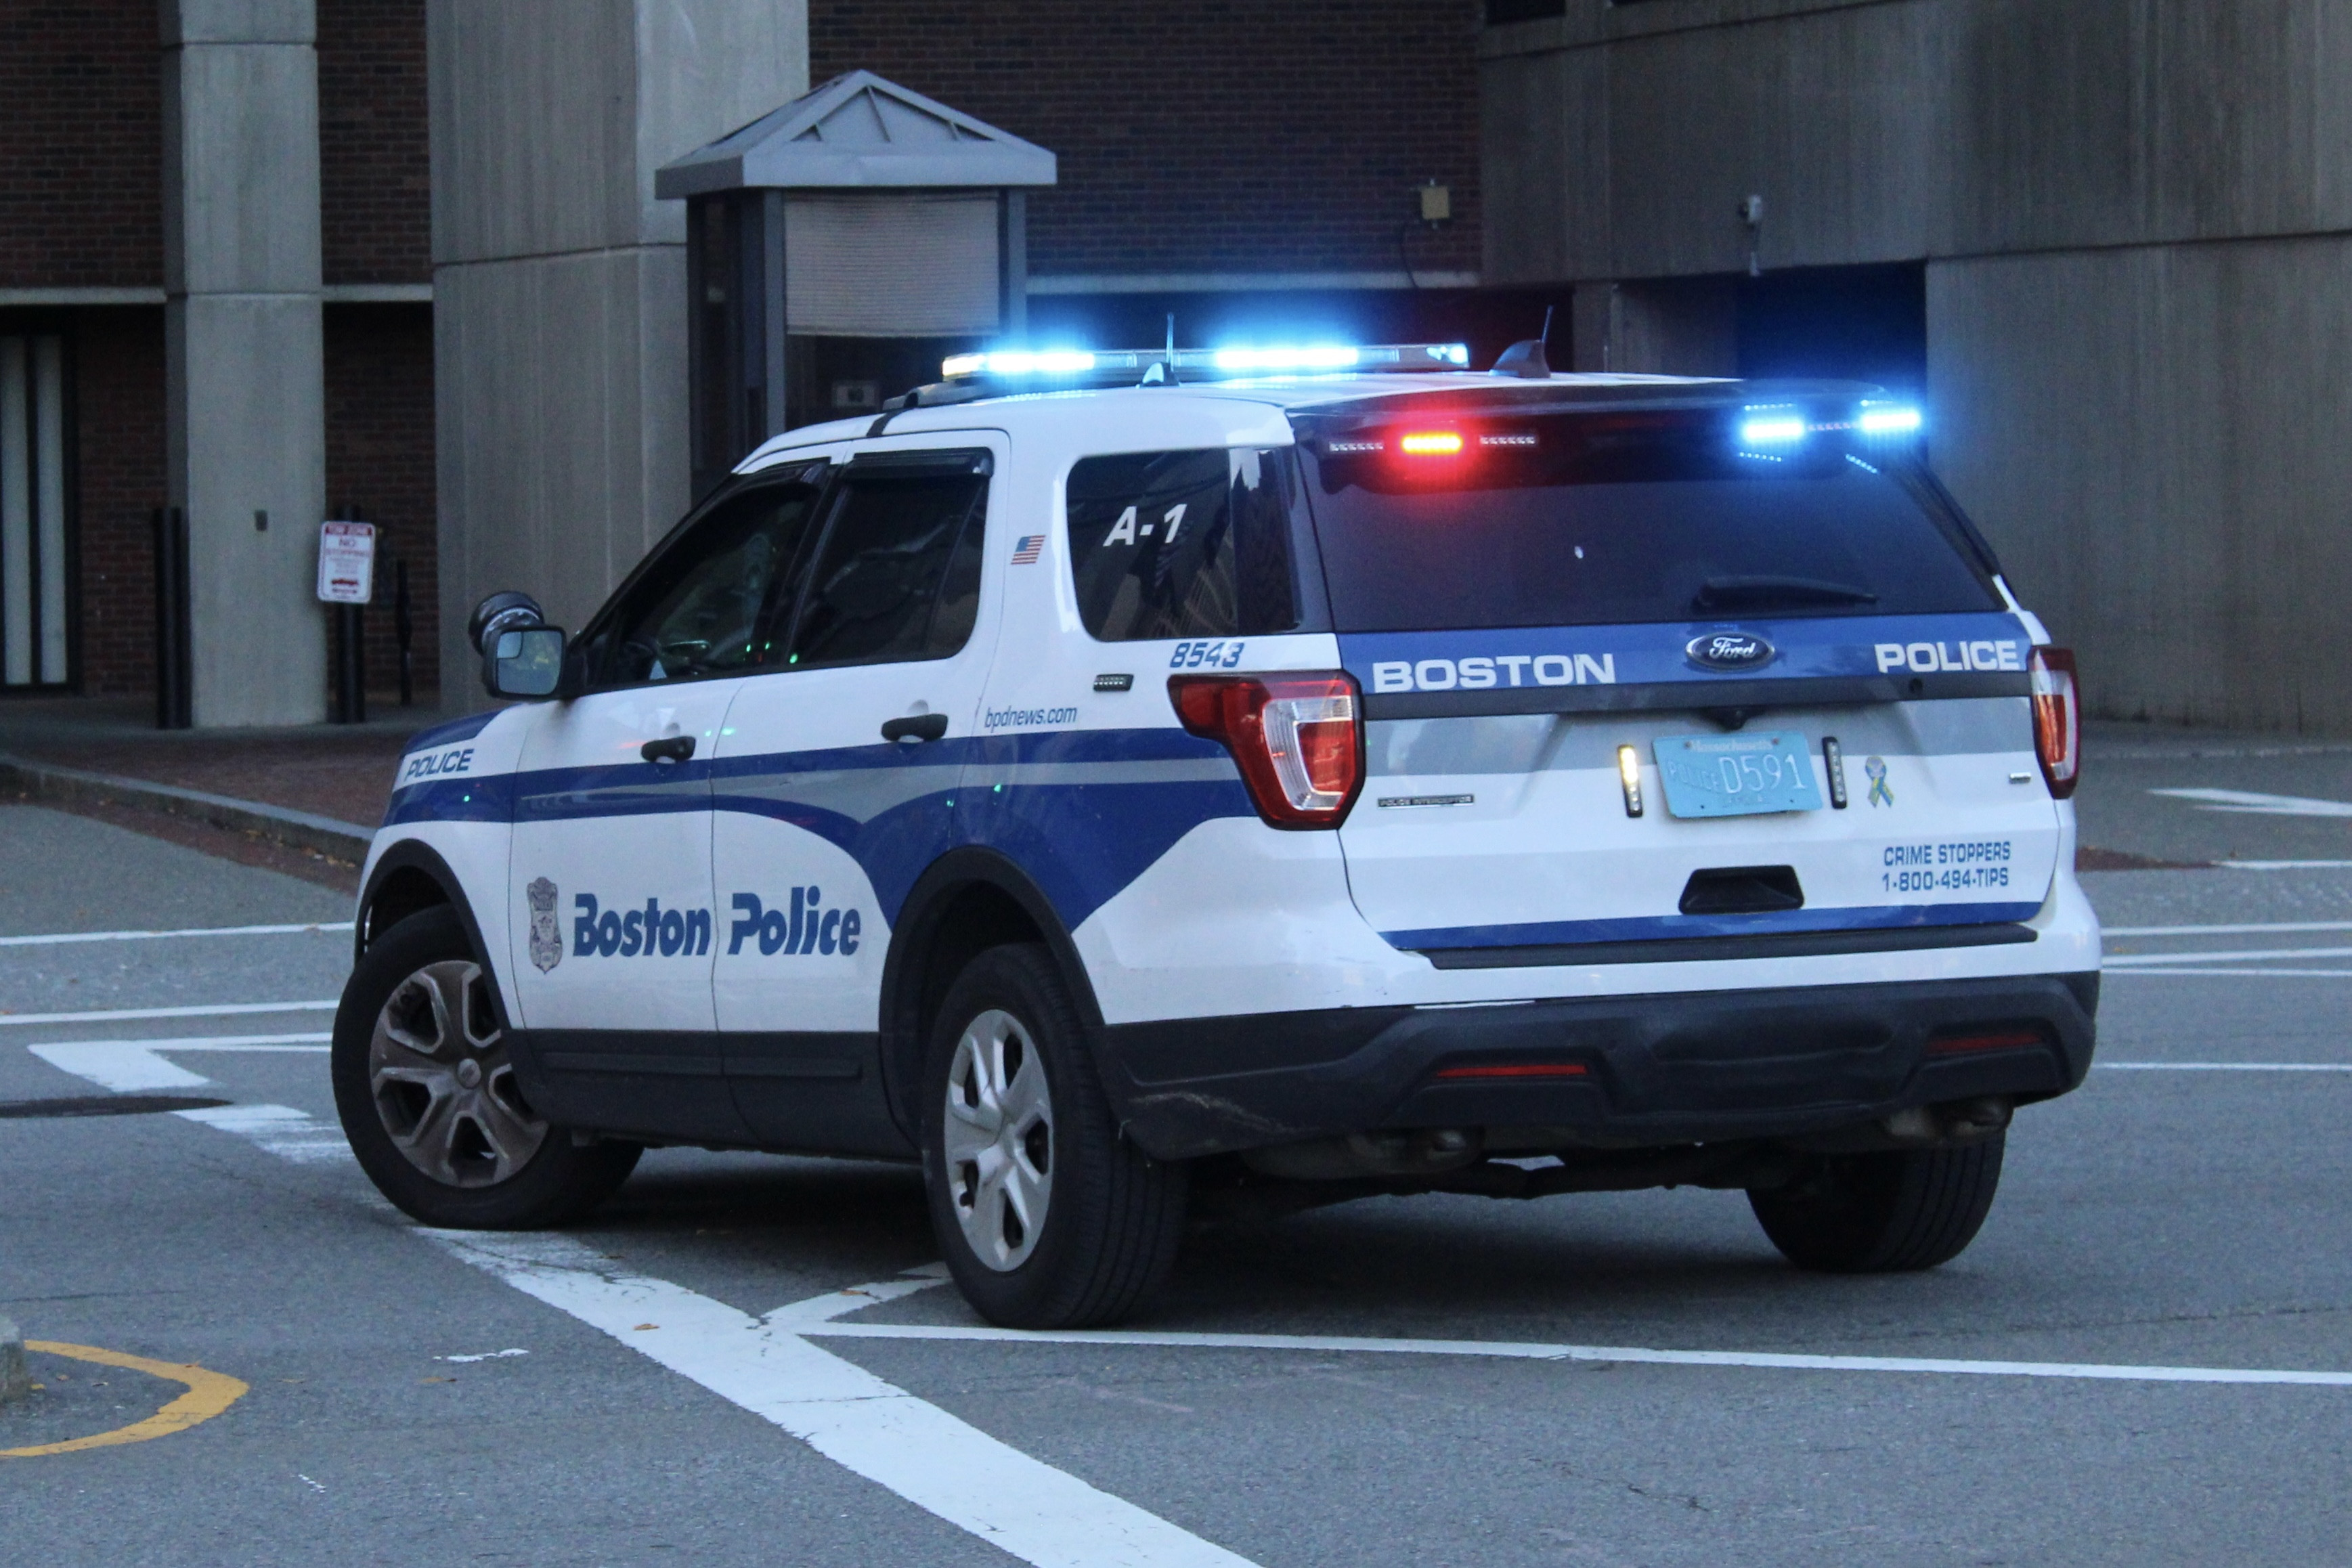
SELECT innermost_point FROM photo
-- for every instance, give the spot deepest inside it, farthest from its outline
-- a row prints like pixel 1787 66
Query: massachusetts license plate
pixel 1737 775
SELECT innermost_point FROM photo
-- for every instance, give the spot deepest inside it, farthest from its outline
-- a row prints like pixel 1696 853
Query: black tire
pixel 1111 1214
pixel 445 1132
pixel 1884 1214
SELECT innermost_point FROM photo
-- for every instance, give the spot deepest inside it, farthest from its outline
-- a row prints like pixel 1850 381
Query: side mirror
pixel 522 655
pixel 526 661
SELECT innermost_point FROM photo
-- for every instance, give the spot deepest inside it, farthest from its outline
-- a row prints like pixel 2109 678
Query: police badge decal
pixel 546 936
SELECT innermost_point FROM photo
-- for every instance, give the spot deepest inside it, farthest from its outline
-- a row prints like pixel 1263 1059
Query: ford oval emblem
pixel 1729 651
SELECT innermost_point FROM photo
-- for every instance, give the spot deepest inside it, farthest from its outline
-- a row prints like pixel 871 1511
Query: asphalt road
pixel 2160 1219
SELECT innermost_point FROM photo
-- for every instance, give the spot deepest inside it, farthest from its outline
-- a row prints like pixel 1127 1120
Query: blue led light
pixel 1773 430
pixel 1889 420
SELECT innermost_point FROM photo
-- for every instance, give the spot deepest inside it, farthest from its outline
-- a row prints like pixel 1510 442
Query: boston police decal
pixel 546 936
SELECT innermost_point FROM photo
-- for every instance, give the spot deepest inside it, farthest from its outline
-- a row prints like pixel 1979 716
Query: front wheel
pixel 1884 1214
pixel 427 1094
pixel 1048 1217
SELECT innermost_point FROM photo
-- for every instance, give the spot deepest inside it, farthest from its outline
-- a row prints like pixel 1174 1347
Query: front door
pixel 610 879
pixel 834 785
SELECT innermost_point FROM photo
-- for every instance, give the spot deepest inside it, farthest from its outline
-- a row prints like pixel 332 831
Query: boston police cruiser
pixel 1122 780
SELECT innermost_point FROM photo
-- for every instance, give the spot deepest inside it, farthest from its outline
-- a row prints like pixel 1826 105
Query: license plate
pixel 1737 775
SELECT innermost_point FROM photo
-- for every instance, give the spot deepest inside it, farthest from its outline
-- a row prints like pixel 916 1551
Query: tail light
pixel 1297 737
pixel 2057 719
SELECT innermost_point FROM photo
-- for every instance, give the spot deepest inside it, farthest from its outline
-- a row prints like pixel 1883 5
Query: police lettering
pixel 809 928
pixel 456 760
pixel 1928 657
pixel 637 933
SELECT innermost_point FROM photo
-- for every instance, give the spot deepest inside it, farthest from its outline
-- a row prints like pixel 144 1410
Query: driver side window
pixel 707 604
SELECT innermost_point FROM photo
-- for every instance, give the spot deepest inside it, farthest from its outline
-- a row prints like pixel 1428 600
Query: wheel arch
pixel 969 900
pixel 412 876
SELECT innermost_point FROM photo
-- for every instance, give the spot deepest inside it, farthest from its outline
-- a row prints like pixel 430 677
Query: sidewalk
pixel 300 800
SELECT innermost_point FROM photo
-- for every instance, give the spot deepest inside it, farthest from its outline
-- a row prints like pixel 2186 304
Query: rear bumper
pixel 1690 1066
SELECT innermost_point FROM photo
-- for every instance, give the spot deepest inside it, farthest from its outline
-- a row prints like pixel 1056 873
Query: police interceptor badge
pixel 546 936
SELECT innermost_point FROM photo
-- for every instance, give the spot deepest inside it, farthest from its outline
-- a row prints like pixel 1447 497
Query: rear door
pixel 1631 679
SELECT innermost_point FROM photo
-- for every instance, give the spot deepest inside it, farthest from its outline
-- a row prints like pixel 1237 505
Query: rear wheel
pixel 428 1096
pixel 1048 1217
pixel 1884 1214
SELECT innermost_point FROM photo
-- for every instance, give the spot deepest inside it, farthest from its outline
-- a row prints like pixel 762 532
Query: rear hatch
pixel 1719 668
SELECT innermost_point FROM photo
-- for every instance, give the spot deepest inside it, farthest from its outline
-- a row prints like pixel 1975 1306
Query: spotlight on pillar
pixel 842 244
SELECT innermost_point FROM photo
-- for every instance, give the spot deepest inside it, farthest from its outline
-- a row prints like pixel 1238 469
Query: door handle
pixel 914 727
pixel 668 748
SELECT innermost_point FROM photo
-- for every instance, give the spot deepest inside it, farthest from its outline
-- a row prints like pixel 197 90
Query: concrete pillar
pixel 559 281
pixel 245 426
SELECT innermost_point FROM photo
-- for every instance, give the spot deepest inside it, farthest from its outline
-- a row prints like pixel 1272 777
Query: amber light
pixel 1516 1070
pixel 2057 719
pixel 1430 443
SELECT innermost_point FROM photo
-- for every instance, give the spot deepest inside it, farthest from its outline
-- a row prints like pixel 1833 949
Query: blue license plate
pixel 1737 775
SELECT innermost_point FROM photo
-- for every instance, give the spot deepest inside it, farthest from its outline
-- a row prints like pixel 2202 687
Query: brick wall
pixel 1283 136
pixel 379 466
pixel 81 143
pixel 118 368
pixel 375 193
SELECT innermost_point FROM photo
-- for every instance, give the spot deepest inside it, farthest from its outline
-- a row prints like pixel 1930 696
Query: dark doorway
pixel 1841 323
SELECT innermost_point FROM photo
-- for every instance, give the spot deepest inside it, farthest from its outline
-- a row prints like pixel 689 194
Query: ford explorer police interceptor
pixel 1255 779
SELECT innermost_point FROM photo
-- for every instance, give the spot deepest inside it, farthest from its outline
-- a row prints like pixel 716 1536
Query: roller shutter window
pixel 895 267
pixel 33 564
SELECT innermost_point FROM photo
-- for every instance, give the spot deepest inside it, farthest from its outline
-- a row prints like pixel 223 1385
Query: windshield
pixel 1603 519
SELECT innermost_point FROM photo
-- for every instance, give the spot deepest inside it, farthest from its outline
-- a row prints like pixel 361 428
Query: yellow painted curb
pixel 209 1393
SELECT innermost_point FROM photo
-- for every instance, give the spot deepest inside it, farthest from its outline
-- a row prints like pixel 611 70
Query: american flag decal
pixel 1025 549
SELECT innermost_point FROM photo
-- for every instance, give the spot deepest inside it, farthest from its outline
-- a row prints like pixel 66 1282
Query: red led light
pixel 1430 443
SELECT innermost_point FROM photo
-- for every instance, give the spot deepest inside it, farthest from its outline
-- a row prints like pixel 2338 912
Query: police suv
pixel 1252 779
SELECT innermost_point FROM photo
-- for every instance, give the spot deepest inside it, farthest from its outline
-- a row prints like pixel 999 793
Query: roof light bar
pixel 1784 426
pixel 1887 420
pixel 1025 364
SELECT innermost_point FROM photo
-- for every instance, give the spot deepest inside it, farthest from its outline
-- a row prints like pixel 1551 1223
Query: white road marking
pixel 288 1133
pixel 129 1066
pixel 2090 1370
pixel 486 1355
pixel 57 938
pixel 1020 1505
pixel 2227 931
pixel 2286 865
pixel 220 1010
pixel 2224 1067
pixel 2234 973
pixel 2254 803
pixel 2251 954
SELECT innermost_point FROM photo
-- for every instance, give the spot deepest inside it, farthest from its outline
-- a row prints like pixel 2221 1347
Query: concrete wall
pixel 560 282
pixel 2135 215
pixel 244 387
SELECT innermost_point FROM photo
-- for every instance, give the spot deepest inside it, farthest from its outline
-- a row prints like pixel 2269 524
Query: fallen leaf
pixel 643 1326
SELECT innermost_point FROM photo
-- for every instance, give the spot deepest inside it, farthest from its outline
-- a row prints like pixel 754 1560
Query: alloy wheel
pixel 999 1140
pixel 443 1083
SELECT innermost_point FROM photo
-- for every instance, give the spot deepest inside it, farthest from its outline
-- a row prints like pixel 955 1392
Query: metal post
pixel 174 704
pixel 403 629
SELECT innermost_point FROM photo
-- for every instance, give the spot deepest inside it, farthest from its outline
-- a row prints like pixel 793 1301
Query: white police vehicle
pixel 1304 775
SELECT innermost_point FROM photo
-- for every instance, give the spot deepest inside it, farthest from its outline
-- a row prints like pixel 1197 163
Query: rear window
pixel 1183 544
pixel 1603 519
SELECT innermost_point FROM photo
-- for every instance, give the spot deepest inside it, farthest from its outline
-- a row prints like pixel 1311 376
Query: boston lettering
pixel 633 933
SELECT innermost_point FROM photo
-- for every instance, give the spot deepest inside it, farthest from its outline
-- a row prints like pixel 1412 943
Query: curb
pixel 283 825
pixel 16 1383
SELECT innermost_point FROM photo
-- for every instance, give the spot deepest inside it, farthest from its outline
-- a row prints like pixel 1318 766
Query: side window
pixel 1183 544
pixel 707 605
pixel 898 574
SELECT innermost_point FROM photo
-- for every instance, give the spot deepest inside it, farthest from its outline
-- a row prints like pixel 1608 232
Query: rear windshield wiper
pixel 1751 592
